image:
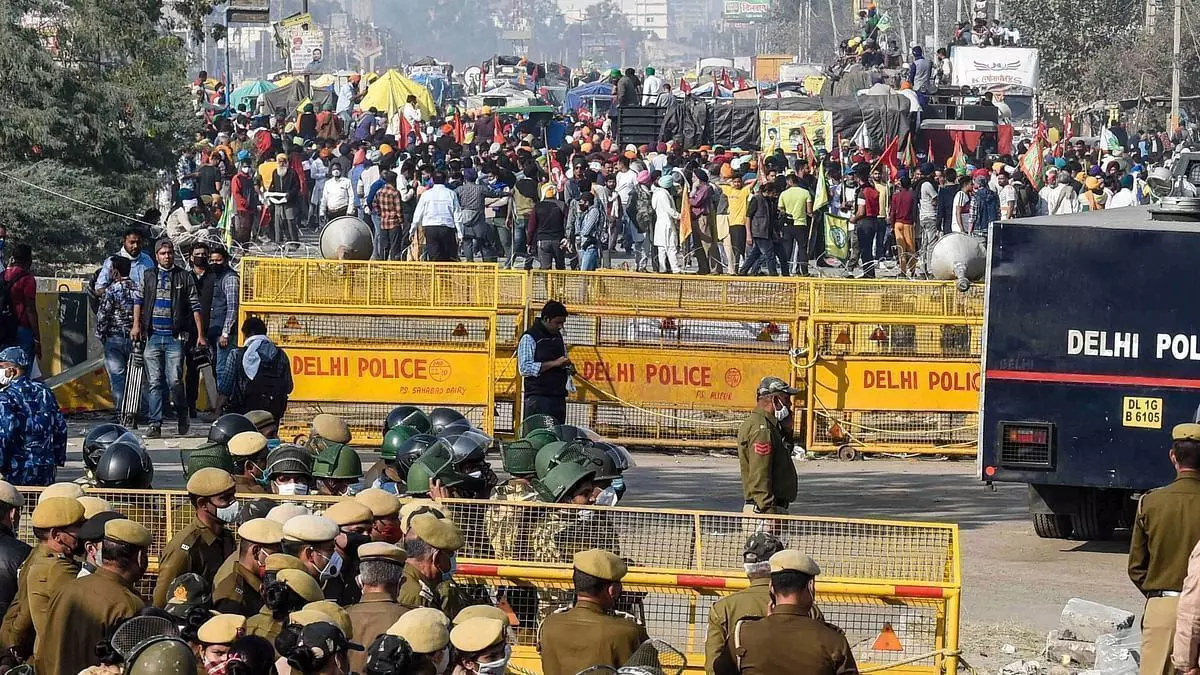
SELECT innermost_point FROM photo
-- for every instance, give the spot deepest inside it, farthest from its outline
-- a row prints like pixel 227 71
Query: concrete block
pixel 1070 652
pixel 1085 620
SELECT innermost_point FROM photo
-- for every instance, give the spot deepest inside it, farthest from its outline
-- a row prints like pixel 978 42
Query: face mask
pixel 496 667
pixel 446 576
pixel 337 174
pixel 333 567
pixel 99 557
pixel 6 377
pixel 442 662
pixel 245 169
pixel 229 514
pixel 618 484
pixel 782 411
pixel 607 497
pixel 262 480
pixel 291 488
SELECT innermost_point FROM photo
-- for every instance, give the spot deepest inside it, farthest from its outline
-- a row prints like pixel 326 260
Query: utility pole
pixel 937 19
pixel 800 31
pixel 913 12
pixel 1176 66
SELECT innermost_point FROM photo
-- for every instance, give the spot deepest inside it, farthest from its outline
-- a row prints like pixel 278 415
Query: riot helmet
pixel 438 462
pixel 161 655
pixel 289 469
pixel 97 441
pixel 411 449
pixel 336 468
pixel 610 460
pixel 558 452
pixel 468 446
pixel 561 482
pixel 440 418
pixel 409 416
pixel 519 457
pixel 393 439
pixel 208 455
pixel 416 483
pixel 571 432
pixel 229 425
pixel 540 437
pixel 539 421
pixel 125 465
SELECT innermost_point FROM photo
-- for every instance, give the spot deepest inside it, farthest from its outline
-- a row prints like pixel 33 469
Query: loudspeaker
pixel 939 111
pixel 639 125
pixel 979 113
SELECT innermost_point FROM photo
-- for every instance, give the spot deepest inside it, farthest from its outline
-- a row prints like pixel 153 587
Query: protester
pixel 114 321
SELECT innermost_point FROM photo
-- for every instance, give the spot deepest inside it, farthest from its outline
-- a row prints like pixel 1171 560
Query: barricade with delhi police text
pixel 894 587
pixel 661 360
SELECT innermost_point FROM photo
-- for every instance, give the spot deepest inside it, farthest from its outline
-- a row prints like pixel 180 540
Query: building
pixel 649 15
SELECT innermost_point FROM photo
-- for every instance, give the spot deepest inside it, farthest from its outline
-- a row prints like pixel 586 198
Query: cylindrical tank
pixel 346 238
pixel 958 256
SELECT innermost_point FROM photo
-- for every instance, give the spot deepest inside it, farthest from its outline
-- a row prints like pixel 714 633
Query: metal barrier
pixel 661 360
pixel 876 573
pixel 363 337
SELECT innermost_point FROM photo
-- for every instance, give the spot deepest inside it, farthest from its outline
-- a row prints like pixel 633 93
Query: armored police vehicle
pixel 1091 353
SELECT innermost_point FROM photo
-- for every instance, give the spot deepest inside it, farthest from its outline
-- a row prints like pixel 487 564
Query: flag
pixel 498 130
pixel 224 225
pixel 405 129
pixel 885 23
pixel 822 197
pixel 929 156
pixel 1032 164
pixel 1108 140
pixel 1068 127
pixel 805 148
pixel 725 81
pixel 957 160
pixel 460 134
pixel 861 137
pixel 908 158
pixel 890 158
pixel 741 82
pixel 837 236
pixel 684 87
pixel 685 215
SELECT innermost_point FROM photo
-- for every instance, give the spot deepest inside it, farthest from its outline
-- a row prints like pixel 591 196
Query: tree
pixel 607 18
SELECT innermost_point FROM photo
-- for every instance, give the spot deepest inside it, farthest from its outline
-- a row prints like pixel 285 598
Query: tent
pixel 289 96
pixel 248 93
pixel 326 80
pixel 437 85
pixel 391 90
pixel 705 91
pixel 583 95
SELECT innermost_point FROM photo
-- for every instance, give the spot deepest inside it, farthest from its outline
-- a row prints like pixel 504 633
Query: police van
pixel 1091 354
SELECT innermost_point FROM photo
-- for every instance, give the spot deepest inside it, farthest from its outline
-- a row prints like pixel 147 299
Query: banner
pixel 786 129
pixel 837 236
pixel 303 41
pixel 741 11
pixel 989 67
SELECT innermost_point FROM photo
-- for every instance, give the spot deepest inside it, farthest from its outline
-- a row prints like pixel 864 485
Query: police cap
pixel 791 560
pixel 127 532
pixel 383 551
pixel 188 590
pixel 774 385
pixel 221 629
pixel 93 505
pixel 310 529
pixel 350 512
pixel 417 507
pixel 9 495
pixel 600 564
pixel 477 634
pixel 438 533
pixel 247 444
pixel 302 583
pixel 72 490
pixel 285 512
pixel 1186 432
pixel 261 531
pixel 57 512
pixel 381 502
pixel 210 482
pixel 473 611
pixel 760 546
pixel 426 629
pixel 331 428
pixel 93 528
pixel 277 562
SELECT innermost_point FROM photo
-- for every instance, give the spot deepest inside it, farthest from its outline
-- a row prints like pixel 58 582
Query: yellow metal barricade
pixel 511 321
pixel 875 573
pixel 366 336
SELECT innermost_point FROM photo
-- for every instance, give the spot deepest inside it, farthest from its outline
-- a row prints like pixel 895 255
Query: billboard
pixel 742 11
pixel 994 67
pixel 781 129
pixel 302 41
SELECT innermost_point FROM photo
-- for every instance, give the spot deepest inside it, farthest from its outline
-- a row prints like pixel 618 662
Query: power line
pixel 77 201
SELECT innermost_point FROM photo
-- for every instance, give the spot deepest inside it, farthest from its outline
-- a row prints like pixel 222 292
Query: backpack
pixel 643 211
pixel 9 321
pixel 1026 204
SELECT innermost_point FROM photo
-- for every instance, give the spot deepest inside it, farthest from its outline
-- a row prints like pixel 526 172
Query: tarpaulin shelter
pixel 583 96
pixel 389 93
pixel 705 91
pixel 248 93
pixel 437 85
pixel 289 96
pixel 512 95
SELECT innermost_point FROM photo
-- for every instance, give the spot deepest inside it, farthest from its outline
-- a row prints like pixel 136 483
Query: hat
pixel 549 192
pixel 426 629
pixel 277 562
pixel 322 638
pixel 247 444
pixel 486 110
pixel 416 507
pixel 281 157
pixel 221 629
pixel 127 532
pixel 261 531
pixel 600 564
pixel 350 512
pixel 474 611
pixel 649 70
pixel 385 149
pixel 331 428
pixel 643 177
pixel 302 583
pixel 726 171
pixel 760 547
pixel 333 612
pixel 438 533
pixel 261 418
pixel 790 560
pixel 774 385
pixel 310 529
pixel 58 512
pixel 1091 183
pixel 72 490
pixel 285 512
pixel 477 634
pixel 666 182
pixel 381 502
pixel 210 482
pixel 186 591
pixel 93 528
pixel 91 505
pixel 9 495
pixel 15 356
pixel 1186 432
pixel 381 550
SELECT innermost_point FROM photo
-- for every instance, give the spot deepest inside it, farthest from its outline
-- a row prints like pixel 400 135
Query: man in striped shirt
pixel 174 313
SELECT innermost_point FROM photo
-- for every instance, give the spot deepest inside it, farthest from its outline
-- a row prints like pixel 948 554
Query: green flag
pixel 837 236
pixel 822 196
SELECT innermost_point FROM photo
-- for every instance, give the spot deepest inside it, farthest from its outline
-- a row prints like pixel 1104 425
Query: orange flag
pixel 685 215
pixel 498 131
pixel 460 134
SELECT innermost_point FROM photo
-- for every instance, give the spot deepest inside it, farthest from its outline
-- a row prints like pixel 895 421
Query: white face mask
pixel 496 667
pixel 229 514
pixel 782 412
pixel 7 375
pixel 608 497
pixel 245 169
pixel 291 489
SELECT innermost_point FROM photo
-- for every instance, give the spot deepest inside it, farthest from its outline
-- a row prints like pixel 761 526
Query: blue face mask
pixel 446 576
pixel 618 484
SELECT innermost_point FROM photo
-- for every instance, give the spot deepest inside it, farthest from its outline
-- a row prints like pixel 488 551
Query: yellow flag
pixel 685 214
pixel 822 196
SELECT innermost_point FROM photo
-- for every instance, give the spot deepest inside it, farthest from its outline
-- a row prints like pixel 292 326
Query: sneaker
pixel 155 431
pixel 184 425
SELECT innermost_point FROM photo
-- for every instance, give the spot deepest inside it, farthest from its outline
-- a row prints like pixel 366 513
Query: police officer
pixel 209 455
pixel 214 638
pixel 46 570
pixel 87 609
pixel 94 505
pixel 13 551
pixel 337 469
pixel 789 640
pixel 430 543
pixel 289 470
pixel 249 452
pixel 91 536
pixel 506 525
pixel 287 593
pixel 189 593
pixel 316 647
pixel 311 539
pixel 1165 531
pixel 327 429
pixel 33 431
pixel 764 450
pixel 380 571
pixel 237 586
pixel 481 645
pixel 205 543
pixel 589 634
pixel 159 655
pixel 355 520
pixel 754 601
pixel 385 510
pixel 427 632
pixel 542 362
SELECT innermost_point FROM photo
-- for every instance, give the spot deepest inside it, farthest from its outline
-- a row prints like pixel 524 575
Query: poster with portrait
pixel 781 129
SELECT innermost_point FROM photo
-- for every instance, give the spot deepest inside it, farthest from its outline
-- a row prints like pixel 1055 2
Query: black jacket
pixel 184 298
pixel 13 553
pixel 762 215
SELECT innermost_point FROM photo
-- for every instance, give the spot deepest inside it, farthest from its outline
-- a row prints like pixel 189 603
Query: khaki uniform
pixel 82 614
pixel 243 484
pixel 1165 531
pixel 791 641
pixel 748 603
pixel 371 617
pixel 236 590
pixel 414 593
pixel 194 549
pixel 584 636
pixel 264 625
pixel 42 576
pixel 507 526
pixel 765 460
pixel 556 539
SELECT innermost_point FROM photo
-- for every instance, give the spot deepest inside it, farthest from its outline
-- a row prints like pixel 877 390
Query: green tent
pixel 248 93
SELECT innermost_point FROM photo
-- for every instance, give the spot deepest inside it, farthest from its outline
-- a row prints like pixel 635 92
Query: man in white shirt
pixel 438 215
pixel 345 99
pixel 412 115
pixel 367 178
pixel 651 87
pixel 1124 196
pixel 337 195
pixel 1007 194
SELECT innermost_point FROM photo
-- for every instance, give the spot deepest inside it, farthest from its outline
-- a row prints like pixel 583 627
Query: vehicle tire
pixel 847 453
pixel 1052 526
pixel 1096 518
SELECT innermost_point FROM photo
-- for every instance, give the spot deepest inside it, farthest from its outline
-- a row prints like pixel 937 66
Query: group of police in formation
pixel 366 585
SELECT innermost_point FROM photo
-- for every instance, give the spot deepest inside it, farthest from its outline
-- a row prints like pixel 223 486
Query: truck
pixel 1091 355
pixel 766 66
